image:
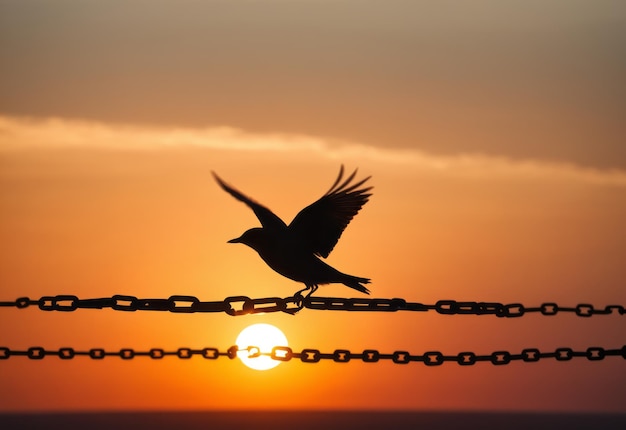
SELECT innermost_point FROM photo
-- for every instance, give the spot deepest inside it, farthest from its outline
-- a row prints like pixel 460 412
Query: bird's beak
pixel 236 240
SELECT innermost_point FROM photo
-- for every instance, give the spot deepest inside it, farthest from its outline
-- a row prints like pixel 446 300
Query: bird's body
pixel 293 250
pixel 284 254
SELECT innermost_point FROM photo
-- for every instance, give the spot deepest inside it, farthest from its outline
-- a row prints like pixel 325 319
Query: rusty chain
pixel 243 305
pixel 309 355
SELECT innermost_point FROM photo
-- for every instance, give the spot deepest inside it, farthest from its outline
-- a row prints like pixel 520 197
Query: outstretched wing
pixel 268 219
pixel 319 226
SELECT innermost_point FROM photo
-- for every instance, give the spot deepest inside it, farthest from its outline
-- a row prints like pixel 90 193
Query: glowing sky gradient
pixel 494 134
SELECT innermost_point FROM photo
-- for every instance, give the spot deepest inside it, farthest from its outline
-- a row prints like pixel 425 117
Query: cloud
pixel 48 133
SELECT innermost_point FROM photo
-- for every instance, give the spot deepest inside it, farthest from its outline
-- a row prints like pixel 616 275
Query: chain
pixel 243 305
pixel 284 353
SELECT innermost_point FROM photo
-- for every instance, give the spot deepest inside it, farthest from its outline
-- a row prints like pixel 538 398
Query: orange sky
pixel 146 219
pixel 499 173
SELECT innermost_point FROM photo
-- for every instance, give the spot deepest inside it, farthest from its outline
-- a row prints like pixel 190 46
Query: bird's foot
pixel 298 300
pixel 299 293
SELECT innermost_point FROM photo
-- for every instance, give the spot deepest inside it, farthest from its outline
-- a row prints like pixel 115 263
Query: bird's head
pixel 253 238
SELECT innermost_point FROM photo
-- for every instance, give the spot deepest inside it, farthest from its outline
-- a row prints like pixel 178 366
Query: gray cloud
pixel 54 133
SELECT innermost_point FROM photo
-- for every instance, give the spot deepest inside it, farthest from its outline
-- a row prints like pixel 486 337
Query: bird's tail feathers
pixel 355 282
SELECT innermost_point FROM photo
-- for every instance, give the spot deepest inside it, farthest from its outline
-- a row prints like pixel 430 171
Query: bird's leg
pixel 298 294
pixel 314 288
pixel 298 299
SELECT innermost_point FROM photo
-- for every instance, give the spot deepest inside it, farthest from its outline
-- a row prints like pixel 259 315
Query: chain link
pixel 285 353
pixel 243 305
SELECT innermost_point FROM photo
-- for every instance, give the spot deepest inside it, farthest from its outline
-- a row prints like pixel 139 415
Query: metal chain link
pixel 284 353
pixel 243 305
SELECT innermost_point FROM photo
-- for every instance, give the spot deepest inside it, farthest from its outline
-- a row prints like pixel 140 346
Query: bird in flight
pixel 293 250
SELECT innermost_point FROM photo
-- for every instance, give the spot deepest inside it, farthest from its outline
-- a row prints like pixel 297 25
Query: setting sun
pixel 256 342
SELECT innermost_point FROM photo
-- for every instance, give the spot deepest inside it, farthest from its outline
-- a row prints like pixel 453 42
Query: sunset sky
pixel 494 133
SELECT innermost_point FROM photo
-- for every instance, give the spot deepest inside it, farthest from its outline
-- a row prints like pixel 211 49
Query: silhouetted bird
pixel 293 250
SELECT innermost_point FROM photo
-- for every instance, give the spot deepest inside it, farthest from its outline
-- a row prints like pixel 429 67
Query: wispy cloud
pixel 18 133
